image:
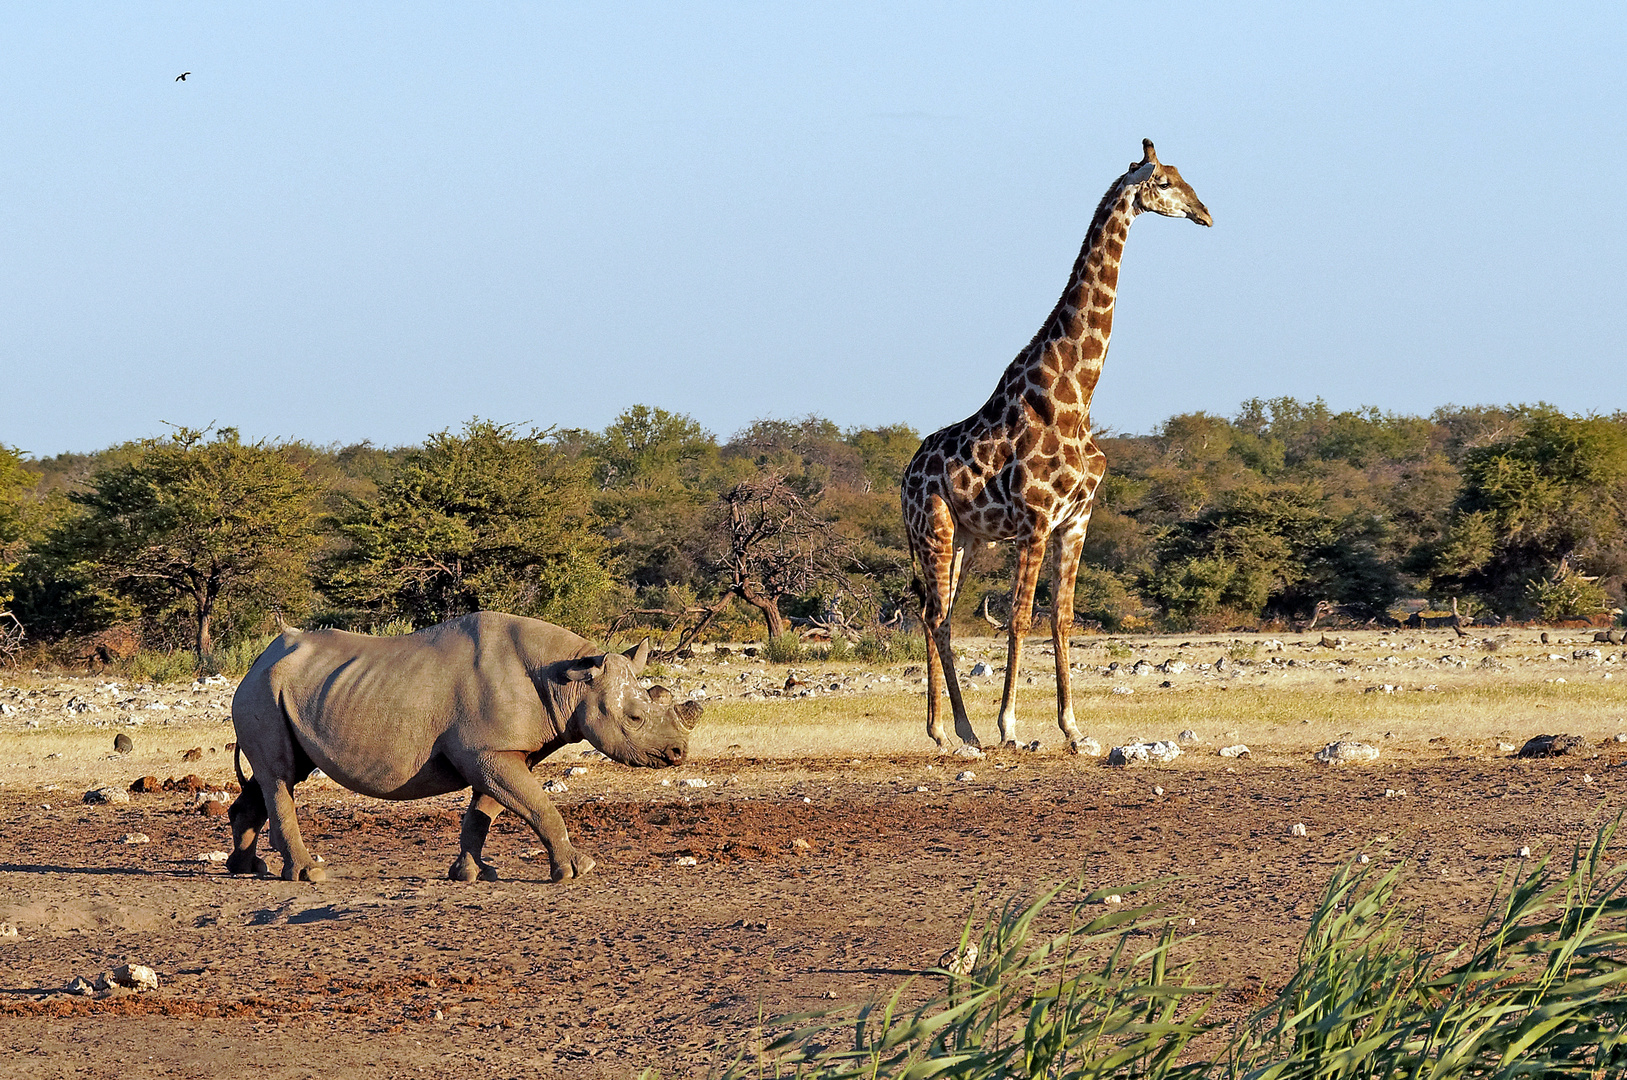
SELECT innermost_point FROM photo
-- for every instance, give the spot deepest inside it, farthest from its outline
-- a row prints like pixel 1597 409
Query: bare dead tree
pixel 11 637
pixel 765 542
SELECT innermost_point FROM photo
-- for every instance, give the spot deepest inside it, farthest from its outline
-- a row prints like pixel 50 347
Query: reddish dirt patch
pixel 649 963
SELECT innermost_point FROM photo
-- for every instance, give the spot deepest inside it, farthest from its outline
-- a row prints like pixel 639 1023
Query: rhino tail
pixel 237 766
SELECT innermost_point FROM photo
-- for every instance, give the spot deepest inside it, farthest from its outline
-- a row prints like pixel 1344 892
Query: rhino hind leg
pixel 504 777
pixel 469 866
pixel 248 817
pixel 297 864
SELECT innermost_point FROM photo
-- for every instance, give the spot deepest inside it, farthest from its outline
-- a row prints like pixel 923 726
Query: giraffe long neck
pixel 1076 334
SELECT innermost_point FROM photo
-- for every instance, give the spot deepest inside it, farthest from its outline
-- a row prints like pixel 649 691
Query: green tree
pixel 1554 493
pixel 484 519
pixel 196 523
pixel 15 482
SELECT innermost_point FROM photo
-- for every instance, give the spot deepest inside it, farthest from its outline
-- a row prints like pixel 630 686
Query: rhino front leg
pixel 477 820
pixel 503 775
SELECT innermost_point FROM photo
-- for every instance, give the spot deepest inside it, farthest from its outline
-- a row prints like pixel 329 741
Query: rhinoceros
pixel 473 702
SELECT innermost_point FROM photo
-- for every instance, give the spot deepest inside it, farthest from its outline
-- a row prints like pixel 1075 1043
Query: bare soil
pixel 391 970
pixel 649 963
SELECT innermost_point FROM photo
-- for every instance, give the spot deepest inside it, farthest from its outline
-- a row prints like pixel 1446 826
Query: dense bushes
pixel 655 523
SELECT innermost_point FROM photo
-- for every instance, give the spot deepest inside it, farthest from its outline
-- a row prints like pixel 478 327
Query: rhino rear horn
pixel 640 655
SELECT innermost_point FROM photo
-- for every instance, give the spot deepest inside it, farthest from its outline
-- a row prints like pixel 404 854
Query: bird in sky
pixel 182 76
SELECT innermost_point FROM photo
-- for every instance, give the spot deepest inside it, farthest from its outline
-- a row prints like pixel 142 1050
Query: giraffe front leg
pixel 1068 547
pixel 1030 557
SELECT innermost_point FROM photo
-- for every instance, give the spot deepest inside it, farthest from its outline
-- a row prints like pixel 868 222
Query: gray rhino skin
pixel 474 702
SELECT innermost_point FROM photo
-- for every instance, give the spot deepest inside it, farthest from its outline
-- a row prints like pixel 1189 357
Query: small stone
pixel 694 782
pixel 210 856
pixel 1187 736
pixel 922 787
pixel 438 1015
pixel 967 750
pixel 1088 747
pixel 1363 859
pixel 1143 752
pixel 7 930
pixel 1122 690
pixel 122 743
pixel 1525 853
pixel 136 838
pixel 555 787
pixel 78 985
pixel 1542 746
pixel 979 670
pixel 1346 751
pixel 1236 751
pixel 1395 793
pixel 1113 898
pixel 1621 736
pixel 1507 747
pixel 799 844
pixel 966 775
pixel 960 961
pixel 685 860
pixel 1157 791
pixel 135 976
pixel 107 795
pixel 1298 829
pixel 576 770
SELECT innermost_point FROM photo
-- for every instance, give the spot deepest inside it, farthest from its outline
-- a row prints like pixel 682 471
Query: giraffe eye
pixel 1163 181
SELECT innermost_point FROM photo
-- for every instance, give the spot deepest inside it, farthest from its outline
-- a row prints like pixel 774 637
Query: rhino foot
pixel 246 862
pixel 468 869
pixel 303 873
pixel 574 865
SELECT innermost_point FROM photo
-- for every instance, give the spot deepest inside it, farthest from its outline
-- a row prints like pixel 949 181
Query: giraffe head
pixel 1159 188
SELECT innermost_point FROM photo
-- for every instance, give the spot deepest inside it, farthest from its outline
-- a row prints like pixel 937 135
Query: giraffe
pixel 1024 467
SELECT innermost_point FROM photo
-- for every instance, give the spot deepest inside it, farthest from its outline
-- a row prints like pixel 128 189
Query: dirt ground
pixel 391 970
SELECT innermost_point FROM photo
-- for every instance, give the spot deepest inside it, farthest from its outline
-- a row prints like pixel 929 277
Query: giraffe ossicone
pixel 1024 467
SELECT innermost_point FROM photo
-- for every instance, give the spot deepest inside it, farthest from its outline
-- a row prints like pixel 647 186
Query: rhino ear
pixel 639 655
pixel 583 669
pixel 689 712
pixel 660 694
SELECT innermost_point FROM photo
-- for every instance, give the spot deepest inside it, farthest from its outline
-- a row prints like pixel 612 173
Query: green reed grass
pixel 1540 992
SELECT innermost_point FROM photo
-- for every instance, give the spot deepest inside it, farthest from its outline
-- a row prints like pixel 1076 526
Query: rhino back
pixel 374 712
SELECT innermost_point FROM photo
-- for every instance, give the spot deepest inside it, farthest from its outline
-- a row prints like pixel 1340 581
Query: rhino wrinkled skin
pixel 474 702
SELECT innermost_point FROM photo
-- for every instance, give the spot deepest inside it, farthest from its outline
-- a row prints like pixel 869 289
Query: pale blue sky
pixel 376 221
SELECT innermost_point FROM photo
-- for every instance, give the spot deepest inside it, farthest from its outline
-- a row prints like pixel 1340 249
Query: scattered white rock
pixel 1187 736
pixel 1172 667
pixel 210 856
pixel 556 787
pixel 1157 791
pixel 1346 751
pixel 136 838
pixel 1525 853
pixel 7 930
pixel 1395 793
pixel 107 795
pixel 576 770
pixel 960 961
pixel 966 775
pixel 533 853
pixel 1298 829
pixel 1507 747
pixel 1273 645
pixel 130 976
pixel 1113 898
pixel 78 985
pixel 1146 751
pixel 1363 859
pixel 694 782
pixel 685 860
pixel 967 750
pixel 922 787
pixel 1238 751
pixel 1122 690
pixel 979 670
pixel 1142 667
